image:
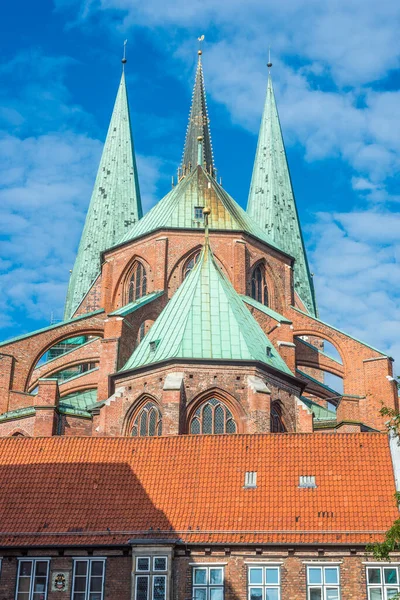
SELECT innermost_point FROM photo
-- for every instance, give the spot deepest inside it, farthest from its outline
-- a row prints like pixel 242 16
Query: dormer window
pixel 198 213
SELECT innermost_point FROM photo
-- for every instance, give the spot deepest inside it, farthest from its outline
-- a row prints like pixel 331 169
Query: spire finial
pixel 200 51
pixel 269 63
pixel 206 213
pixel 123 60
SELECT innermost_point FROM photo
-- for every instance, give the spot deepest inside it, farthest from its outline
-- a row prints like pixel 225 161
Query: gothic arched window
pixel 137 283
pixel 148 421
pixel 259 289
pixel 212 417
pixel 190 263
pixel 277 425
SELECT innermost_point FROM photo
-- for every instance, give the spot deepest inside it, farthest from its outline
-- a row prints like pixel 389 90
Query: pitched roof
pixel 271 200
pixel 192 488
pixel 115 204
pixel 206 319
pixel 198 189
pixel 198 126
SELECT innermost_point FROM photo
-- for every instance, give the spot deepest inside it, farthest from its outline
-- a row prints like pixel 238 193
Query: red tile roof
pixel 108 490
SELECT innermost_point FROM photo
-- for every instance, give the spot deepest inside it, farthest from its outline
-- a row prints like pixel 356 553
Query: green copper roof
pixel 198 126
pixel 206 319
pixel 115 204
pixel 266 310
pixel 271 200
pixel 79 400
pixel 320 413
pixel 132 306
pixel 177 210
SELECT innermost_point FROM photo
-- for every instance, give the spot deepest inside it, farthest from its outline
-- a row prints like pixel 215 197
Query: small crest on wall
pixel 59 581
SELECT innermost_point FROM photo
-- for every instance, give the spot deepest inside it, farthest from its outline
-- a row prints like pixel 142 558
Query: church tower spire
pixel 198 126
pixel 115 205
pixel 271 200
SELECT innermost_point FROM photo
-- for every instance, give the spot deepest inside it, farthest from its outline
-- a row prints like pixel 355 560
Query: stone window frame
pixel 208 586
pixel 323 586
pixel 132 294
pixel 382 585
pixel 264 585
pixel 150 405
pixel 32 576
pixel 198 415
pixel 89 560
pixel 262 291
pixel 151 574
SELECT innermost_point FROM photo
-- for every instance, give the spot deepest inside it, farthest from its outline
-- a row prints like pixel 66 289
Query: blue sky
pixel 337 80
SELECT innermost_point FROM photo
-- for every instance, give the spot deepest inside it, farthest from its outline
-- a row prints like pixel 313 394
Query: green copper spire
pixel 271 200
pixel 198 127
pixel 115 205
pixel 206 319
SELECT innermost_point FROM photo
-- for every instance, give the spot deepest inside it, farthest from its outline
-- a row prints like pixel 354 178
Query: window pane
pixel 215 576
pixel 375 594
pixel 374 575
pixel 200 576
pixel 255 593
pixel 24 584
pixel 95 596
pixel 331 575
pixel 41 568
pixel 160 563
pixel 216 593
pixel 390 575
pixel 207 419
pixel 256 576
pixel 143 564
pixel 392 592
pixel 80 584
pixel 315 575
pixel 271 594
pixel 272 575
pixel 316 594
pixel 142 587
pixel 40 584
pixel 200 594
pixel 79 596
pixel 23 595
pixel 25 568
pixel 159 591
pixel 332 594
pixel 96 584
pixel 80 567
pixel 97 568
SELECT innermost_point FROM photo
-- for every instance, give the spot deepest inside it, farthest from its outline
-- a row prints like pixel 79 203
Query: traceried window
pixel 32 579
pixel 264 583
pixel 208 583
pixel 88 579
pixel 190 263
pixel 259 289
pixel 137 283
pixel 151 577
pixel 277 425
pixel 212 417
pixel 382 582
pixel 148 422
pixel 323 582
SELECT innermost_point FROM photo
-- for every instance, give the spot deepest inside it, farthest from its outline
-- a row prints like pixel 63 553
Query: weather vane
pixel 124 56
pixel 201 40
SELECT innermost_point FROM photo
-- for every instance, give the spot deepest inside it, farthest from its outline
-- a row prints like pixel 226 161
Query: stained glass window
pixel 148 422
pixel 212 417
pixel 259 289
pixel 137 283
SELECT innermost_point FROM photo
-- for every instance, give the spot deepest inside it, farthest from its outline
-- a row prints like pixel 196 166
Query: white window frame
pixel 207 585
pixel 264 585
pixel 88 560
pixel 151 573
pixel 32 577
pixel 323 586
pixel 383 587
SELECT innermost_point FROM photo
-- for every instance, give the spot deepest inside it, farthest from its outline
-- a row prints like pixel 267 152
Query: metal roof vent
pixel 307 481
pixel 250 479
pixel 269 352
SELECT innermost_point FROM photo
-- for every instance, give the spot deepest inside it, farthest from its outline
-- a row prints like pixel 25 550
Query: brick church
pixel 163 441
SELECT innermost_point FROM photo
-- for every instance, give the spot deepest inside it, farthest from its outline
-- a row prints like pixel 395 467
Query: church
pixel 174 436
